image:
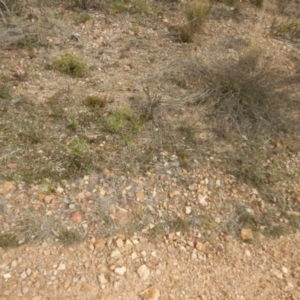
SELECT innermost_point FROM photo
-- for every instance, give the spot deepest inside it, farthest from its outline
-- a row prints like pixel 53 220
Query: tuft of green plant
pixel 98 101
pixel 258 3
pixel 121 119
pixel 8 240
pixel 185 34
pixel 82 17
pixel 118 6
pixel 69 64
pixel 4 91
pixel 197 13
pixel 141 6
pixel 69 237
pixel 288 29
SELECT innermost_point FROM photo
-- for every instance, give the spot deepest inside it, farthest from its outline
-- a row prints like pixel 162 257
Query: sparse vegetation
pixel 82 17
pixel 197 14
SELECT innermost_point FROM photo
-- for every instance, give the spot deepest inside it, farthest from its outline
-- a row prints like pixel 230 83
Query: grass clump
pixel 82 17
pixel 288 29
pixel 197 13
pixel 69 237
pixel 98 101
pixel 118 6
pixel 4 91
pixel 243 96
pixel 123 119
pixel 70 65
pixel 141 6
pixel 258 3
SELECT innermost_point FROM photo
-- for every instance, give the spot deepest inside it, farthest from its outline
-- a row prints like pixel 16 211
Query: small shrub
pixel 69 64
pixel 197 13
pixel 244 96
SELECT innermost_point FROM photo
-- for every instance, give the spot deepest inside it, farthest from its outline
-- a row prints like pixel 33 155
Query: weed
pixel 179 224
pixel 122 118
pixel 134 29
pixel 185 34
pixel 197 13
pixel 288 29
pixel 69 64
pixel 118 6
pixel 82 17
pixel 8 240
pixel 4 91
pixel 141 6
pixel 250 166
pixel 244 96
pixel 98 101
pixel 258 3
pixel 69 237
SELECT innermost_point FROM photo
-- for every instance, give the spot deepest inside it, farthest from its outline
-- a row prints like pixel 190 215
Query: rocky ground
pixel 158 214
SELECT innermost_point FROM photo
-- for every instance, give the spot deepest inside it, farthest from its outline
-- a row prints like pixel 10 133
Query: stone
pixel 77 216
pixel 143 272
pixel 120 271
pixel 246 234
pixel 151 293
pixel 61 267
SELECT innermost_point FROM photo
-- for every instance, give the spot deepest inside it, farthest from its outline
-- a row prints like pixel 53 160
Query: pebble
pixel 120 271
pixel 61 267
pixel 7 276
pixel 143 272
pixel 188 210
pixel 151 293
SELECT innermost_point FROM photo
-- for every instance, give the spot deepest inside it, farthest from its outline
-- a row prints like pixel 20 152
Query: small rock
pixel 140 196
pixel 77 216
pixel 120 271
pixel 116 254
pixel 143 272
pixel 61 267
pixel 49 199
pixel 7 276
pixel 126 68
pixel 12 166
pixel 277 274
pixel 23 275
pixel 151 293
pixel 246 234
pixel 102 279
pixel 188 210
pixel 119 243
pixel 285 270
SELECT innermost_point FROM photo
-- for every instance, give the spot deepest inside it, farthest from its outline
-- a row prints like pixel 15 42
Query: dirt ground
pixel 140 193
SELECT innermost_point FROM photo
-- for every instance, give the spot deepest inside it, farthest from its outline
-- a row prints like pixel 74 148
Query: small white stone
pixel 23 275
pixel 7 276
pixel 61 267
pixel 28 272
pixel 120 271
pixel 102 279
pixel 188 210
pixel 14 263
pixel 285 270
pixel 134 255
pixel 143 272
pixel 116 254
pixel 248 253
